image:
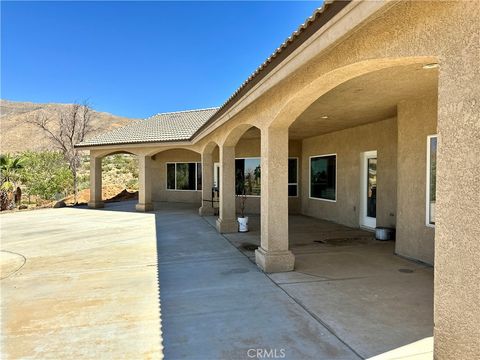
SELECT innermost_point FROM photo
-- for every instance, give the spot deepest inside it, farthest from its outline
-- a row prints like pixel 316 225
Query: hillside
pixel 16 135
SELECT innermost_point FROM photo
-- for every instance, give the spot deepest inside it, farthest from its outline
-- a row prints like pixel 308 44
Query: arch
pixel 161 150
pixel 208 149
pixel 236 133
pixel 106 153
pixel 311 92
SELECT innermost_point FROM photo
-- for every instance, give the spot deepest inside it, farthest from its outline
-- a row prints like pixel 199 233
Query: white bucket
pixel 243 224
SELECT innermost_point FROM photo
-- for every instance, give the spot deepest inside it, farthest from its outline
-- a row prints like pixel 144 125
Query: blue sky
pixel 136 59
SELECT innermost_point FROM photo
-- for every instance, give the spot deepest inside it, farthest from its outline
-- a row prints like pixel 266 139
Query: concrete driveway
pixel 79 283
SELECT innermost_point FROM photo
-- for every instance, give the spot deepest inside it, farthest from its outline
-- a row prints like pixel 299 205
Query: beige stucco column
pixel 273 254
pixel 207 184
pixel 145 184
pixel 95 183
pixel 457 218
pixel 227 221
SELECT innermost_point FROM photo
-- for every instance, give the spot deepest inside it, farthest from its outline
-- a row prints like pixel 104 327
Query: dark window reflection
pixel 323 177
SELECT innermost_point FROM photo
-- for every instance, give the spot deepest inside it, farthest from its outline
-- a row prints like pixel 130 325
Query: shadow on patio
pixel 355 285
pixel 349 297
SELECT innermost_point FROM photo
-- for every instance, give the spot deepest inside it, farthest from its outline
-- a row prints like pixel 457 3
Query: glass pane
pixel 292 190
pixel 217 184
pixel 372 188
pixel 247 176
pixel 186 176
pixel 239 176
pixel 433 179
pixel 171 176
pixel 322 177
pixel 252 176
pixel 192 179
pixel 199 176
pixel 292 171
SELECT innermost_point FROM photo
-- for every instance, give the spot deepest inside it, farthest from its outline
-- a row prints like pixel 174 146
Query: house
pixel 368 116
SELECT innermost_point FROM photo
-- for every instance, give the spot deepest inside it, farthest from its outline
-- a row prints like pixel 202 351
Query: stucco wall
pixel 457 238
pixel 245 148
pixel 416 120
pixel 348 145
pixel 443 31
pixel 159 184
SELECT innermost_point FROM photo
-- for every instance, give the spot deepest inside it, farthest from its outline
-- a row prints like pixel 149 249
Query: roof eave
pixel 320 18
pixel 133 144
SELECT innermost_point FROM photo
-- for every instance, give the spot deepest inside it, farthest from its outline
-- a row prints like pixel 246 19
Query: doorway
pixel 368 190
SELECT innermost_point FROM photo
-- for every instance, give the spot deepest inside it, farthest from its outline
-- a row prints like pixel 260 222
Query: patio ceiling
pixel 368 98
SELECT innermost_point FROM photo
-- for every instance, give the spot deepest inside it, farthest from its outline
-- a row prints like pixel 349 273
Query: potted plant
pixel 240 194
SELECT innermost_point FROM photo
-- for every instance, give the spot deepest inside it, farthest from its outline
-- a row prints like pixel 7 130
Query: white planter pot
pixel 243 224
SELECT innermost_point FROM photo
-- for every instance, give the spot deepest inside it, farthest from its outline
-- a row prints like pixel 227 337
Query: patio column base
pixel 206 211
pixel 274 261
pixel 144 207
pixel 227 226
pixel 96 204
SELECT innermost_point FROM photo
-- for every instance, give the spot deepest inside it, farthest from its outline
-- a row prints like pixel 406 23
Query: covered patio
pixel 200 297
pixel 345 123
pixel 356 286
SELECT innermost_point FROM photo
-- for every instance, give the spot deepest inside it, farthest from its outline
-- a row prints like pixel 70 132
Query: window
pixel 184 176
pixel 247 176
pixel 431 178
pixel 292 177
pixel 323 177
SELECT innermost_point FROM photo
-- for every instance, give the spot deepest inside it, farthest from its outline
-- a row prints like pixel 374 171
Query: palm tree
pixel 10 172
pixel 9 167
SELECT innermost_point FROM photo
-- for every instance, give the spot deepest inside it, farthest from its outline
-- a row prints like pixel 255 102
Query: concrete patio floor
pixel 354 285
pixel 82 283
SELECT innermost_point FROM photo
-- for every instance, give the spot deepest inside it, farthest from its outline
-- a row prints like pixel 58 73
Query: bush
pixel 46 174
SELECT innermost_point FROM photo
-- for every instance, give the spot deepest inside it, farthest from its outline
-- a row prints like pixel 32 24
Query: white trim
pixel 427 183
pixel 181 162
pixel 297 183
pixel 363 218
pixel 310 177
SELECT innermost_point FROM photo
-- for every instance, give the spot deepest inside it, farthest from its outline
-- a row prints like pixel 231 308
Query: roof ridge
pixel 183 111
pixel 283 45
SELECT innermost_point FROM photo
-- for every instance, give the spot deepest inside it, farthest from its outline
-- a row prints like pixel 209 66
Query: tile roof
pixel 163 127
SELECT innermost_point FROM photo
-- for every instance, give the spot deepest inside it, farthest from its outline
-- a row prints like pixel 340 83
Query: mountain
pixel 17 135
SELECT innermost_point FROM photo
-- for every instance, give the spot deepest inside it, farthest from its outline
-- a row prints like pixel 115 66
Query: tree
pixel 10 167
pixel 71 127
pixel 45 174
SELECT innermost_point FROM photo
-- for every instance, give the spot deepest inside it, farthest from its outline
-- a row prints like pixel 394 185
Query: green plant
pixel 10 167
pixel 46 174
pixel 240 193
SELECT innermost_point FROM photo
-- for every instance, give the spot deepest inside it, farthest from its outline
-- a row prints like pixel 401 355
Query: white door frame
pixel 365 221
pixel 216 167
